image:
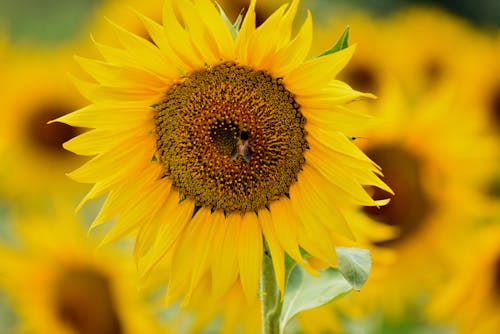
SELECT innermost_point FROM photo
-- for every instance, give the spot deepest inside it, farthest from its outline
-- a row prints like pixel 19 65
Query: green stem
pixel 270 295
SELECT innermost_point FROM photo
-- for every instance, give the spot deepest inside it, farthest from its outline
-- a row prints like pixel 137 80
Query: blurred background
pixel 435 69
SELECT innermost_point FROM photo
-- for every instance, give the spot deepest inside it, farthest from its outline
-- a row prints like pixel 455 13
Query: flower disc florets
pixel 230 137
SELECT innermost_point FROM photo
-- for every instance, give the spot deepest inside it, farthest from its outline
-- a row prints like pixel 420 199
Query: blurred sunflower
pixel 471 298
pixel 429 47
pixel 481 93
pixel 35 89
pixel 427 164
pixel 370 65
pixel 58 284
pixel 483 74
pixel 202 143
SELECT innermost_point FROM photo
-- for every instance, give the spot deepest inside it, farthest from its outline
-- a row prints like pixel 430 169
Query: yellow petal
pixel 116 162
pixel 225 267
pixel 336 141
pixel 213 21
pixel 145 54
pixel 277 253
pixel 284 224
pixel 340 179
pixel 115 56
pixel 338 118
pixel 97 93
pixel 97 141
pixel 114 117
pixel 120 76
pixel 201 38
pixel 249 254
pixel 246 31
pixel 293 54
pixel 313 235
pixel 196 243
pixel 179 38
pixel 263 42
pixel 157 34
pixel 153 202
pixel 144 208
pixel 172 219
pixel 321 201
pixel 336 93
pixel 317 73
pixel 285 26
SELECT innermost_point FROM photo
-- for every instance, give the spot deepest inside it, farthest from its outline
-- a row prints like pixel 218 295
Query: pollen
pixel 230 137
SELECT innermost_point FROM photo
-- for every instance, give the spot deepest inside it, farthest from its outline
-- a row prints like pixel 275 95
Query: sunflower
pixel 484 81
pixel 424 60
pixel 481 93
pixel 423 156
pixel 35 90
pixel 426 163
pixel 57 283
pixel 212 138
pixel 469 306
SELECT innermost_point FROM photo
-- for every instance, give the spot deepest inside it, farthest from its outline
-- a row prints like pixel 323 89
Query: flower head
pixel 422 156
pixel 34 91
pixel 213 136
pixel 56 283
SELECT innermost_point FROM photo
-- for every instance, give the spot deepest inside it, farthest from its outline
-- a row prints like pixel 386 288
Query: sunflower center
pixel 84 302
pixel 224 137
pixel 230 137
pixel 433 70
pixel 50 136
pixel 409 209
pixel 362 77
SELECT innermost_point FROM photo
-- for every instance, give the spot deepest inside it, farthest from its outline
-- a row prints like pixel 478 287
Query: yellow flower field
pixel 249 166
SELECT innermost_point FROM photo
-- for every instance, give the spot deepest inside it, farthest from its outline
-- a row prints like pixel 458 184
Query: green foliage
pixel 340 44
pixel 304 291
pixel 45 23
pixel 355 265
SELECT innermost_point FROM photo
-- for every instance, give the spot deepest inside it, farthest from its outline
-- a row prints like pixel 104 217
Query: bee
pixel 242 148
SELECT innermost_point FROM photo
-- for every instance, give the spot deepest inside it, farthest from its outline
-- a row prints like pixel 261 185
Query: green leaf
pixel 237 23
pixel 289 264
pixel 342 43
pixel 233 28
pixel 355 265
pixel 304 291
